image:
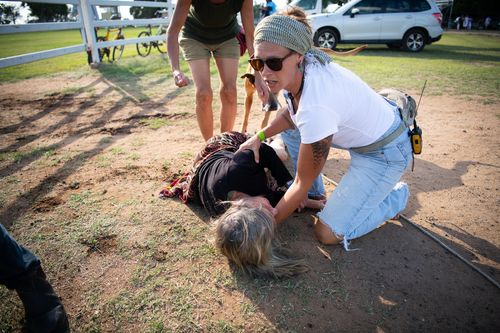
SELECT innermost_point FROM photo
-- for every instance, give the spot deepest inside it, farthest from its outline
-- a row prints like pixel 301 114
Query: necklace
pixel 290 95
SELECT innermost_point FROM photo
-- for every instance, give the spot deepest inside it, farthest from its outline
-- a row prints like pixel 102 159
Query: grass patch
pixel 459 64
pixel 117 151
pixel 22 156
pixel 84 198
pixel 106 140
pixel 134 156
pixel 155 123
pixel 103 161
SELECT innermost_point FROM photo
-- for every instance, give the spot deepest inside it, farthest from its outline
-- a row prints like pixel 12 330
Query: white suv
pixel 407 24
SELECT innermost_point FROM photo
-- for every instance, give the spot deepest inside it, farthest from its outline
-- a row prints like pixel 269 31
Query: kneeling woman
pixel 234 185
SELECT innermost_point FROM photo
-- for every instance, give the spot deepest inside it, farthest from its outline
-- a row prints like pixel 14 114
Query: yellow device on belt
pixel 416 139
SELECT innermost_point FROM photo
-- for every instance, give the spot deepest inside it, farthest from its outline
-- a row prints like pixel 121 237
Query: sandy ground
pixel 66 136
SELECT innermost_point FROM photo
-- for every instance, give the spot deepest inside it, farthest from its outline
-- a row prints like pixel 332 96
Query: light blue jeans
pixel 370 192
pixel 291 138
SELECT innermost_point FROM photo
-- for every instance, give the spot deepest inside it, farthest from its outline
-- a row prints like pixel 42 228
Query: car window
pixel 326 3
pixel 304 4
pixel 397 6
pixel 368 7
pixel 419 5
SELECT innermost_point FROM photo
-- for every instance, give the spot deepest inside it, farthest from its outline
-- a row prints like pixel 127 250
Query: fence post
pixel 88 25
pixel 170 10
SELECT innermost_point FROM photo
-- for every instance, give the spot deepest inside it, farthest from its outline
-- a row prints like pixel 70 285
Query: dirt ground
pixel 82 162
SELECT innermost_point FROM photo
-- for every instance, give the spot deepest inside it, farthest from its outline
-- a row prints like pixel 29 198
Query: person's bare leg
pixel 200 69
pixel 228 72
pixel 324 233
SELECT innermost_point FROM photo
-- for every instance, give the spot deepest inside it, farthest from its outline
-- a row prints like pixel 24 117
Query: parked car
pixel 407 24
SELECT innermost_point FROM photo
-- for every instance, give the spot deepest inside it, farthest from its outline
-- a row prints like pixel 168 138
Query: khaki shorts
pixel 195 50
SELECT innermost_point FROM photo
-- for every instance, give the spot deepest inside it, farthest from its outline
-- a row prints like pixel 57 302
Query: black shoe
pixel 43 309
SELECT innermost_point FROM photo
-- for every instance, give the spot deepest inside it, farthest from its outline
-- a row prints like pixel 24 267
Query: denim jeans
pixel 370 192
pixel 16 262
pixel 291 138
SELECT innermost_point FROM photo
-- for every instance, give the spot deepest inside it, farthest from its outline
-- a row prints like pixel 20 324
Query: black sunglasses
pixel 274 64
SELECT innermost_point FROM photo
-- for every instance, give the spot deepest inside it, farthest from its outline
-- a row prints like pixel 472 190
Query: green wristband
pixel 261 135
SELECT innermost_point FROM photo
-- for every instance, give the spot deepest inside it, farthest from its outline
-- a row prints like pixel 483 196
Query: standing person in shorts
pixel 208 28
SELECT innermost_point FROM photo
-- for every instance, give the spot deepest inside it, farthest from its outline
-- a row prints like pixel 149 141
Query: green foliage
pixel 45 12
pixel 8 13
pixel 478 8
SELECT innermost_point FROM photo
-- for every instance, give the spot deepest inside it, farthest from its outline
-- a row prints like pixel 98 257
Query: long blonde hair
pixel 246 236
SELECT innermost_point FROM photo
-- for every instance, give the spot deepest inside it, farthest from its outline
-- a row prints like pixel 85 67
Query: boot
pixel 44 312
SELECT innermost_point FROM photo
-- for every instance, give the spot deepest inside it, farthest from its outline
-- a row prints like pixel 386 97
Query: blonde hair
pixel 246 236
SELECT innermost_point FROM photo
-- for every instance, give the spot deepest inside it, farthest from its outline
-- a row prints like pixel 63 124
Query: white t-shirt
pixel 335 101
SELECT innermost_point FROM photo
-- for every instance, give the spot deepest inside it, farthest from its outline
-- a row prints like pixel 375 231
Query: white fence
pixel 86 23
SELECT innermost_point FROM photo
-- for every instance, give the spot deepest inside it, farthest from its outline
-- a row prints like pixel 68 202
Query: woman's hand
pixel 180 79
pixel 261 87
pixel 254 145
pixel 315 204
pixel 312 204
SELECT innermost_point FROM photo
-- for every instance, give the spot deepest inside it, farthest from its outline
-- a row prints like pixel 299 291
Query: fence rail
pixel 86 22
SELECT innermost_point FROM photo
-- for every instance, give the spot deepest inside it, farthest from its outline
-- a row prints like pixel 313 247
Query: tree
pixel 45 12
pixel 477 9
pixel 8 13
pixel 144 12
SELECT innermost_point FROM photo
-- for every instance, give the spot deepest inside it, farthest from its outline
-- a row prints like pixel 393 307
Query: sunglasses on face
pixel 274 64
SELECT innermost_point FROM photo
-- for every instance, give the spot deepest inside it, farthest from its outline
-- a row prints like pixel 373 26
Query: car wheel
pixel 326 38
pixel 414 40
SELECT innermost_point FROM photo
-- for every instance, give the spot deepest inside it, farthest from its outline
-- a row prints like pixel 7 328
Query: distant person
pixel 20 270
pixel 467 22
pixel 458 22
pixel 487 23
pixel 205 29
pixel 268 9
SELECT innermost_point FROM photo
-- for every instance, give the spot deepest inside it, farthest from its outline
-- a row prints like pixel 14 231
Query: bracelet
pixel 261 136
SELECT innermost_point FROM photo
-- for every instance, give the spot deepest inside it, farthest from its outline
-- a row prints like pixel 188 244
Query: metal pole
pixel 437 240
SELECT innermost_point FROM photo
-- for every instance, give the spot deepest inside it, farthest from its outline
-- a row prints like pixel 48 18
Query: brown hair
pixel 246 236
pixel 299 15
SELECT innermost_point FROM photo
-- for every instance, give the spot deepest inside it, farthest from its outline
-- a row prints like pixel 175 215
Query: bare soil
pixel 81 167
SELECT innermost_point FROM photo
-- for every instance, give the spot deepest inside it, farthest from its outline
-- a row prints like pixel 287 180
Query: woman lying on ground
pixel 232 184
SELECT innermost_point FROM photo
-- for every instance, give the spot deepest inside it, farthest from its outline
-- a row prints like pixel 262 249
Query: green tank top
pixel 212 23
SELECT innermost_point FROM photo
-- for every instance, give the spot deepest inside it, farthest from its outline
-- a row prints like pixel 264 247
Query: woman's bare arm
pixel 312 158
pixel 176 24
